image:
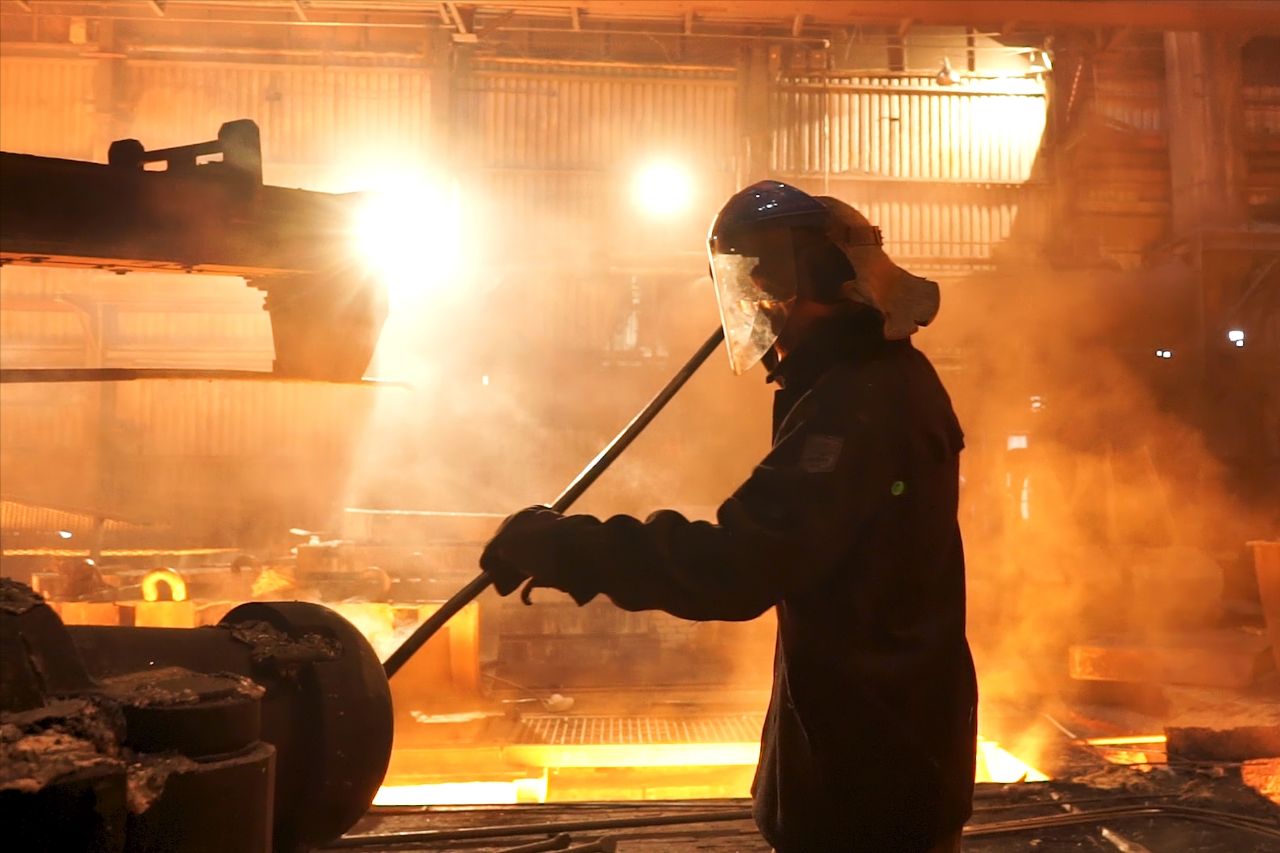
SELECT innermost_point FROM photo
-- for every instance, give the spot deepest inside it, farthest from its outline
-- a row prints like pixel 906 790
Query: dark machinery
pixel 213 217
pixel 271 730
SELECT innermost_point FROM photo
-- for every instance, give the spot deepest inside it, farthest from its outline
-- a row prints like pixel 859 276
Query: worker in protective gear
pixel 848 527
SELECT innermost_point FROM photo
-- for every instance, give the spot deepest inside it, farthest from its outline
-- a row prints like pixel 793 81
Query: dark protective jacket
pixel 849 528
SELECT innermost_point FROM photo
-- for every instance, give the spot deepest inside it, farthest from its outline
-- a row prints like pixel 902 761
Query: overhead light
pixel 64 534
pixel 662 190
pixel 1236 336
pixel 1164 353
pixel 409 233
pixel 947 75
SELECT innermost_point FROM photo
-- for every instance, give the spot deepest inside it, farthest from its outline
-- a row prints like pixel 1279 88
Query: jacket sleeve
pixel 779 533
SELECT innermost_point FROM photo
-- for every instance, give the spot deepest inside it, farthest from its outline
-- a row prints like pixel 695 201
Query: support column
pixel 756 76
pixel 1204 122
pixel 112 109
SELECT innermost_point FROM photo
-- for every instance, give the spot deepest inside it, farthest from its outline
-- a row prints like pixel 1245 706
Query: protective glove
pixel 522 541
pixel 525 546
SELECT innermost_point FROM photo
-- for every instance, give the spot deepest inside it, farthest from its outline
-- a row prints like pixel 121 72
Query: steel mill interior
pixel 300 299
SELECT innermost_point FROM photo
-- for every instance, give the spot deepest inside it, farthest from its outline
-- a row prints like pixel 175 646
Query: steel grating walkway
pixel 634 731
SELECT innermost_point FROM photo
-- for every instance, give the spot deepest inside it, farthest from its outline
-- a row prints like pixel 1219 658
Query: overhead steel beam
pixel 1253 16
pixel 455 18
pixel 494 24
pixel 1256 15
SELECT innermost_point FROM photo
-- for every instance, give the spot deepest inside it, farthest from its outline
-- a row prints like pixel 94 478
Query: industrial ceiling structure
pixel 692 17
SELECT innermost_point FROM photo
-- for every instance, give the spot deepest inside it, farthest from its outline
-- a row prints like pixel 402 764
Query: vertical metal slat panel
pixel 46 106
pixel 307 114
pixel 941 134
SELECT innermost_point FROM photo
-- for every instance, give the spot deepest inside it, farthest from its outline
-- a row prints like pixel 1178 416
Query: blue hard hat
pixel 766 203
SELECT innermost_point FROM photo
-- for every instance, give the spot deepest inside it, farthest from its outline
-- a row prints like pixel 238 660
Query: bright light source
pixel 1040 62
pixel 662 190
pixel 1236 336
pixel 1164 353
pixel 947 75
pixel 1016 442
pixel 484 380
pixel 408 232
pixel 65 534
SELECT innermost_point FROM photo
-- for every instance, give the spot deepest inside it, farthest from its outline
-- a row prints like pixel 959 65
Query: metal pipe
pixel 602 63
pixel 517 829
pixel 572 492
pixel 823 43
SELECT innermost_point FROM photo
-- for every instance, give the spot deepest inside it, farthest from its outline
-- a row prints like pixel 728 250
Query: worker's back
pixel 870 737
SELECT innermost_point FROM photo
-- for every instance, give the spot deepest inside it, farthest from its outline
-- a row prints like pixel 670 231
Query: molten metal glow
pixel 464 793
pixel 701 770
pixel 1127 749
pixel 374 621
pixel 1127 741
pixel 151 585
pixel 996 764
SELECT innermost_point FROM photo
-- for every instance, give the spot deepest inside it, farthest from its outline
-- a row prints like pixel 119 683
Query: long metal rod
pixel 518 829
pixel 572 492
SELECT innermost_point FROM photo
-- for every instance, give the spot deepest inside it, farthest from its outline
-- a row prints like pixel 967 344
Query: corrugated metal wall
pixel 555 151
pixel 211 458
pixel 561 116
pixel 941 169
pixel 558 143
pixel 909 127
pixel 47 106
pixel 308 115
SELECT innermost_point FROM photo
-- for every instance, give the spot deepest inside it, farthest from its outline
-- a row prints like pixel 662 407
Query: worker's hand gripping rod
pixel 580 484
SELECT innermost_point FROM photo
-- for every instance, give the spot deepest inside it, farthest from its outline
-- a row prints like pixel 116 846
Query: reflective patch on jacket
pixel 821 453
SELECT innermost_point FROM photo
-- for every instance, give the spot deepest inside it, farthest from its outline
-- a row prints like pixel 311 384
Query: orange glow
pixel 662 189
pixel 1117 749
pixel 151 585
pixel 997 764
pixel 1126 741
pixel 693 770
pixel 463 793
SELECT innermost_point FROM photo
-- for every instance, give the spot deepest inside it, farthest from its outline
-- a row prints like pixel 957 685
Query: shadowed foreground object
pixel 270 731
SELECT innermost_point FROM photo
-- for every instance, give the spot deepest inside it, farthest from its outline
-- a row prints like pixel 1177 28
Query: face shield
pixel 755 278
